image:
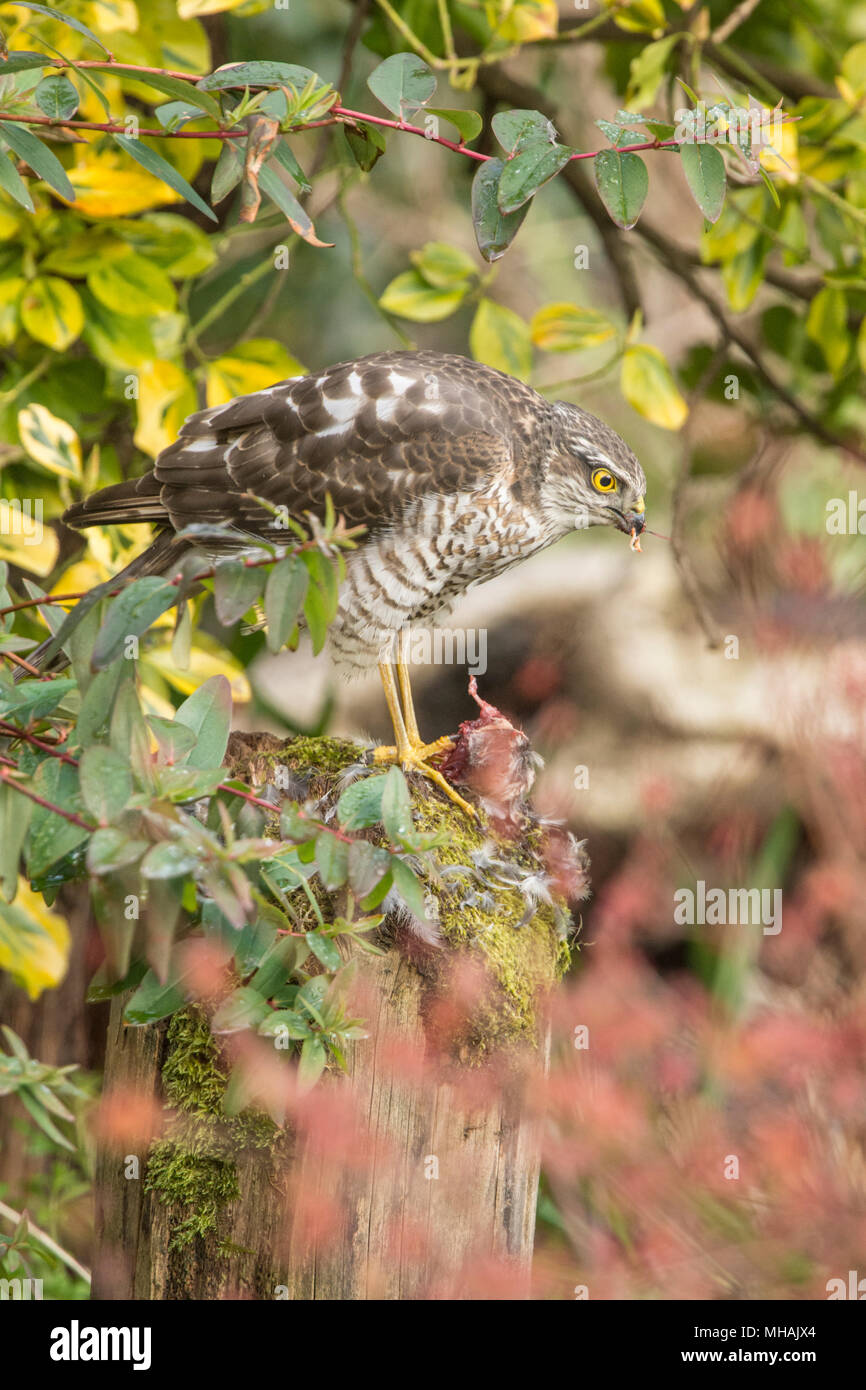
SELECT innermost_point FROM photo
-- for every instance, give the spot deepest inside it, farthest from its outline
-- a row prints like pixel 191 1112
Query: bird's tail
pixel 122 503
pixel 161 557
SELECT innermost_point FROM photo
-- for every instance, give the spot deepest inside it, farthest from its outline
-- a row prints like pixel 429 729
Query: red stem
pixel 40 800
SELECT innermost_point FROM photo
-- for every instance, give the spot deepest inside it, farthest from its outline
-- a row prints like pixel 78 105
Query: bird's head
pixel 591 476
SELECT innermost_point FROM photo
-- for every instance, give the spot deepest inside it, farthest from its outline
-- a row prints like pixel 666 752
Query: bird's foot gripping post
pixel 409 750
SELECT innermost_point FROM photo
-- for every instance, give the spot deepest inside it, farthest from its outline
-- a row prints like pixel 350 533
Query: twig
pixel 682 559
pixel 738 16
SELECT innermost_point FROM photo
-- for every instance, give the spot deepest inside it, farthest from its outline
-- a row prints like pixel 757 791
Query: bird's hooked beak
pixel 632 522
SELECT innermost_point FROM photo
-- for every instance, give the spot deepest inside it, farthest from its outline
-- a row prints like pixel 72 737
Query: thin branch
pixel 677 264
pixel 738 16
pixel 40 800
pixel 682 559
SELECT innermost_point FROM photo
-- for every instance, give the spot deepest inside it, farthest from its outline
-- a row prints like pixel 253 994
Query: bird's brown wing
pixel 375 434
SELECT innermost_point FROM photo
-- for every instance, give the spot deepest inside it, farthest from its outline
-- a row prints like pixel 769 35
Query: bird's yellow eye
pixel 603 481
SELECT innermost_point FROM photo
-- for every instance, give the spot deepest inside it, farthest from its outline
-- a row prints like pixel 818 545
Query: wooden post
pixel 414 1176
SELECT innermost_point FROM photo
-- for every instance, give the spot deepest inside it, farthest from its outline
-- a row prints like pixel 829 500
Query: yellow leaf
pixel 638 16
pixel 166 397
pixel 109 16
pixel 783 155
pixel 51 312
pixel 34 941
pixel 500 338
pixel 827 325
pixel 192 9
pixel 52 442
pixel 207 658
pixel 35 549
pixel 10 295
pixel 526 20
pixel 410 297
pixel 648 385
pixel 564 327
pixel 104 190
pixel 251 366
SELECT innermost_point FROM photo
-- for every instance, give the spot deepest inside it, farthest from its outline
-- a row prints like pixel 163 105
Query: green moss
pixel 325 755
pixel 193 1169
pixel 523 961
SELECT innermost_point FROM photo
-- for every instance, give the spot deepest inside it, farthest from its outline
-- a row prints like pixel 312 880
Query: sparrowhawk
pixel 456 470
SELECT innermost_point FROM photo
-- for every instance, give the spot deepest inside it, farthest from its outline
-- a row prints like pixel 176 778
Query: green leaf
pixel 315 612
pixel 56 96
pixel 442 266
pixel 402 83
pixel 312 1063
pixel 409 296
pixel 278 964
pixel 175 741
pixel 52 837
pixel 622 181
pixel 129 735
pixel 244 1008
pixel 169 859
pixel 130 614
pixel 97 704
pixel 208 713
pixel 501 339
pixel 527 172
pixel 409 888
pixel 368 864
pixel 494 231
pixel 397 807
pixel 285 592
pixel 39 157
pixel 34 699
pixel 15 813
pixel 263 73
pixel 360 805
pixel 106 782
pixel 324 949
pixel 111 849
pixel 21 59
pixel 468 123
pixel 647 70
pixel 332 860
pixel 323 573
pixel 516 129
pixel 228 171
pixel 191 93
pixel 706 175
pixel 285 155
pixel 367 144
pixel 155 164
pixel 12 183
pixel 281 195
pixel 63 19
pixel 294 1024
pixel 153 1001
pixel 236 588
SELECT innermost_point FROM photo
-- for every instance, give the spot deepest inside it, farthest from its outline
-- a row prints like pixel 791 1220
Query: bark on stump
pixel 313 1221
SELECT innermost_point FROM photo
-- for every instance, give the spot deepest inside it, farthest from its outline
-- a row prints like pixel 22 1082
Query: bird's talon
pixel 415 759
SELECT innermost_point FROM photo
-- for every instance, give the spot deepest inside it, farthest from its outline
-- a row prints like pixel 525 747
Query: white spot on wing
pixel 400 383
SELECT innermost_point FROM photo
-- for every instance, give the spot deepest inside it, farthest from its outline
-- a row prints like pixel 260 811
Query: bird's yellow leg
pixel 426 750
pixel 410 751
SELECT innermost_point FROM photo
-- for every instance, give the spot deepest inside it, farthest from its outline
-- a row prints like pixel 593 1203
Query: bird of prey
pixel 456 470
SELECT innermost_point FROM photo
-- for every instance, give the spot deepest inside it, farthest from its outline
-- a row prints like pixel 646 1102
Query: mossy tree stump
pixel 430 1185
